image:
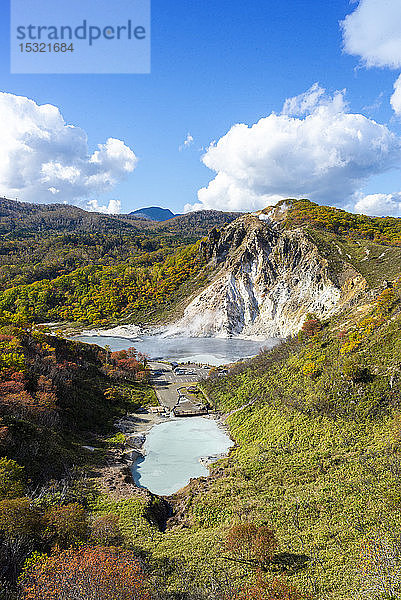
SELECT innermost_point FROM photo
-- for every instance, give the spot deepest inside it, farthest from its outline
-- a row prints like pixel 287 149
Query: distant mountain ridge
pixel 154 213
pixel 23 218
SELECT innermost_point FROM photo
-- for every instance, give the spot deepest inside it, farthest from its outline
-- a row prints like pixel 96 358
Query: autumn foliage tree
pixel 130 364
pixel 85 574
pixel 251 544
pixel 255 547
pixel 40 405
pixel 311 327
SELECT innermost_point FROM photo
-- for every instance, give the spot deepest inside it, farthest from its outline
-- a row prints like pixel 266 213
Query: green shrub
pixel 66 525
pixel 18 518
pixel 12 480
pixel 356 372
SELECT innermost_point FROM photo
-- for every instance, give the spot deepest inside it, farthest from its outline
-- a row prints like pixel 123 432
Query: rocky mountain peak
pixel 267 279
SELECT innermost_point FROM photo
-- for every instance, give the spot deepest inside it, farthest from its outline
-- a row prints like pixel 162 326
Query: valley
pixel 301 302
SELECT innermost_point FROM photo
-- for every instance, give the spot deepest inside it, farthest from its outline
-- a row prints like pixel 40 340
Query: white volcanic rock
pixel 123 331
pixel 269 279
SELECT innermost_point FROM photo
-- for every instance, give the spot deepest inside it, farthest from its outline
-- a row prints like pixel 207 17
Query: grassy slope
pixel 318 454
pixel 376 262
pixel 372 245
pixel 317 457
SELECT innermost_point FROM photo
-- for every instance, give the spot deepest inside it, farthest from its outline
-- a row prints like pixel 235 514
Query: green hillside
pixel 386 230
pixel 317 456
pixel 60 262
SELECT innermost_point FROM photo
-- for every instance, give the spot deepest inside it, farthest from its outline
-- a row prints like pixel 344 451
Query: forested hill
pixel 385 230
pixel 20 219
pixel 60 263
pixel 94 257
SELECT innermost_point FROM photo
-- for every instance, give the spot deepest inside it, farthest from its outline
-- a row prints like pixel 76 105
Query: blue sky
pixel 214 64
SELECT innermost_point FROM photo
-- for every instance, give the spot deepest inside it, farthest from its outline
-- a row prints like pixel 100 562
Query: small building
pixel 189 411
pixel 157 410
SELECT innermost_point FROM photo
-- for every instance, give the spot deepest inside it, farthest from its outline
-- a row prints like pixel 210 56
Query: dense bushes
pixel 85 574
pixel 95 294
pixel 61 263
pixel 12 479
pixel 385 230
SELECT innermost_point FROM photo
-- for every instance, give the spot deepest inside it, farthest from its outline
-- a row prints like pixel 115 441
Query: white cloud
pixel 326 155
pixel 372 32
pixel 41 155
pixel 304 103
pixel 189 140
pixel 396 97
pixel 379 205
pixel 113 207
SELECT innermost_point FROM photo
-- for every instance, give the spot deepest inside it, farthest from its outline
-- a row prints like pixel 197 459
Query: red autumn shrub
pixel 85 574
pixel 311 327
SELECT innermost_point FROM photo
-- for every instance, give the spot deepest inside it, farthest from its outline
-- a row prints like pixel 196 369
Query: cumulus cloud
pixel 112 208
pixel 189 140
pixel 304 103
pixel 325 153
pixel 372 32
pixel 379 205
pixel 43 159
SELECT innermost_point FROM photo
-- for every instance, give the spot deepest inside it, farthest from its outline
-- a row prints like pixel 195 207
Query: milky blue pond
pixel 173 450
pixel 212 351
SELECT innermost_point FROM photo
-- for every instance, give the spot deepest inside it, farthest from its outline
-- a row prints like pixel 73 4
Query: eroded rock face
pixel 268 279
